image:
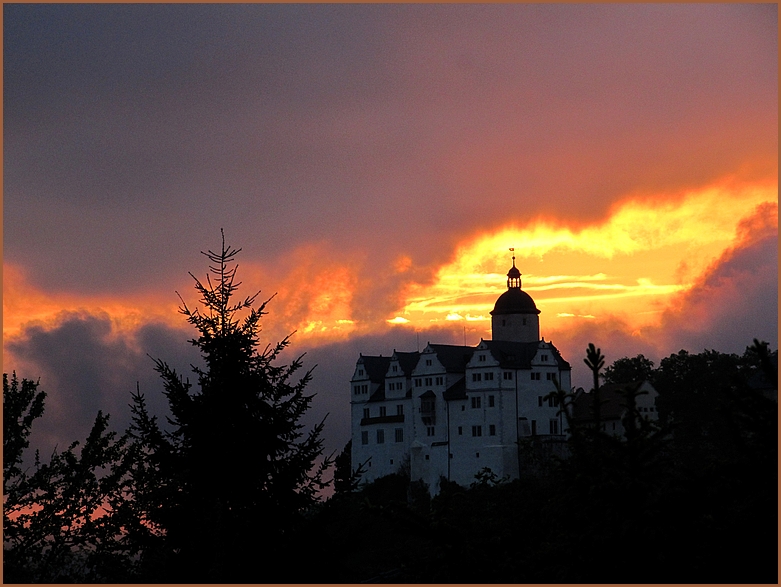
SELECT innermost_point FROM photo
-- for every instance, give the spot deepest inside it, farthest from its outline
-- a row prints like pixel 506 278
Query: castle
pixel 450 411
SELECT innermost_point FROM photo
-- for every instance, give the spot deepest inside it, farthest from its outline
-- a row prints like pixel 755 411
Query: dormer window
pixel 544 357
pixel 481 358
pixel 428 362
pixel 360 372
pixel 394 368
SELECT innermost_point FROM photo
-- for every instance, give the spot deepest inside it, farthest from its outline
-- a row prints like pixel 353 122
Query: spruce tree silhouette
pixel 227 487
pixel 595 360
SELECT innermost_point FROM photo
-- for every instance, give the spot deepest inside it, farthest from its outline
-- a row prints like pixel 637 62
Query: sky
pixel 376 164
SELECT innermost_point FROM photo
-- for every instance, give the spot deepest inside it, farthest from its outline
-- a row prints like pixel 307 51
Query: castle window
pixel 394 368
pixel 365 388
pixel 477 376
pixel 477 455
pixel 489 376
pixel 430 430
pixel 380 436
pixel 400 410
pixel 365 412
pixel 554 426
pixel 428 381
pixel 357 389
pixel 360 372
pixel 504 322
pixel 549 376
pixel 539 400
pixel 535 376
pixel 544 357
pixel 481 358
pixel 440 380
pixel 399 432
pixel 428 362
pixel 476 402
pixel 508 375
pixel 418 383
pixel 477 430
pixel 391 461
pixel 524 321
pixel 492 430
pixel 383 411
pixel 491 401
pixel 365 437
pixel 460 430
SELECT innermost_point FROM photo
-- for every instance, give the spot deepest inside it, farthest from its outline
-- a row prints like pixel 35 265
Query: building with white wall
pixel 451 410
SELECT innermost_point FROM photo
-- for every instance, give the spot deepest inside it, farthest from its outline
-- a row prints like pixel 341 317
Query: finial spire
pixel 513 276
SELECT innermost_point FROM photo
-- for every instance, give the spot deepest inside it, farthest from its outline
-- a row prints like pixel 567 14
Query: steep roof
pixel 519 355
pixel 453 358
pixel 456 391
pixel 376 367
pixel 513 355
pixel 378 395
pixel 407 361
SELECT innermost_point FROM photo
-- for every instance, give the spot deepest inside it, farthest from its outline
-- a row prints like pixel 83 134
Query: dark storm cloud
pixel 84 365
pixel 735 302
pixel 133 132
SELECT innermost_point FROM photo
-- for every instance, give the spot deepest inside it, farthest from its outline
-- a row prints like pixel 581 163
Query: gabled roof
pixel 519 355
pixel 376 367
pixel 456 391
pixel 513 355
pixel 407 361
pixel 563 365
pixel 453 358
pixel 612 401
pixel 378 395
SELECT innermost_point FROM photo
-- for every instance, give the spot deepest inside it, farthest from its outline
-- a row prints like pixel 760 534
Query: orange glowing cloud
pixel 313 294
pixel 644 254
pixel 24 304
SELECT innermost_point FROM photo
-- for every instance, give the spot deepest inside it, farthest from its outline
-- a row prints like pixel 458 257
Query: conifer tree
pixel 228 485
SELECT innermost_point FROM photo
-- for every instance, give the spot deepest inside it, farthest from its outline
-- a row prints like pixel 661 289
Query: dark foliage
pixel 64 521
pixel 229 494
pixel 223 497
pixel 614 511
pixel 228 487
pixel 626 370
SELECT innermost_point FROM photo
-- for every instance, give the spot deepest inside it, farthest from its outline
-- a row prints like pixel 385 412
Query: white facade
pixel 450 411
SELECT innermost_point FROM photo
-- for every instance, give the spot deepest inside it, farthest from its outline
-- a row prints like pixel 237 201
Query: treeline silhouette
pixel 229 491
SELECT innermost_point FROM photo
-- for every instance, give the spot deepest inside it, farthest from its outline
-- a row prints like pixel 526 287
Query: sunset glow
pixel 375 163
pixel 646 251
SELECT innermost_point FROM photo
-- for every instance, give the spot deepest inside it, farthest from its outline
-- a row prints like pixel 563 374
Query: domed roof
pixel 515 301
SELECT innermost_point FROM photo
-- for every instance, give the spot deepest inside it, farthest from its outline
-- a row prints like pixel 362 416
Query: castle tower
pixel 515 318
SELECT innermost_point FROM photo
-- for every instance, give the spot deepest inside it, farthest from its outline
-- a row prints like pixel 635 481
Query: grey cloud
pixel 145 127
pixel 84 366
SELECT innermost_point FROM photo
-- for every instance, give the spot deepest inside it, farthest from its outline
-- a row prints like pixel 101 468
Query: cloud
pixel 85 364
pixel 154 125
pixel 736 299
